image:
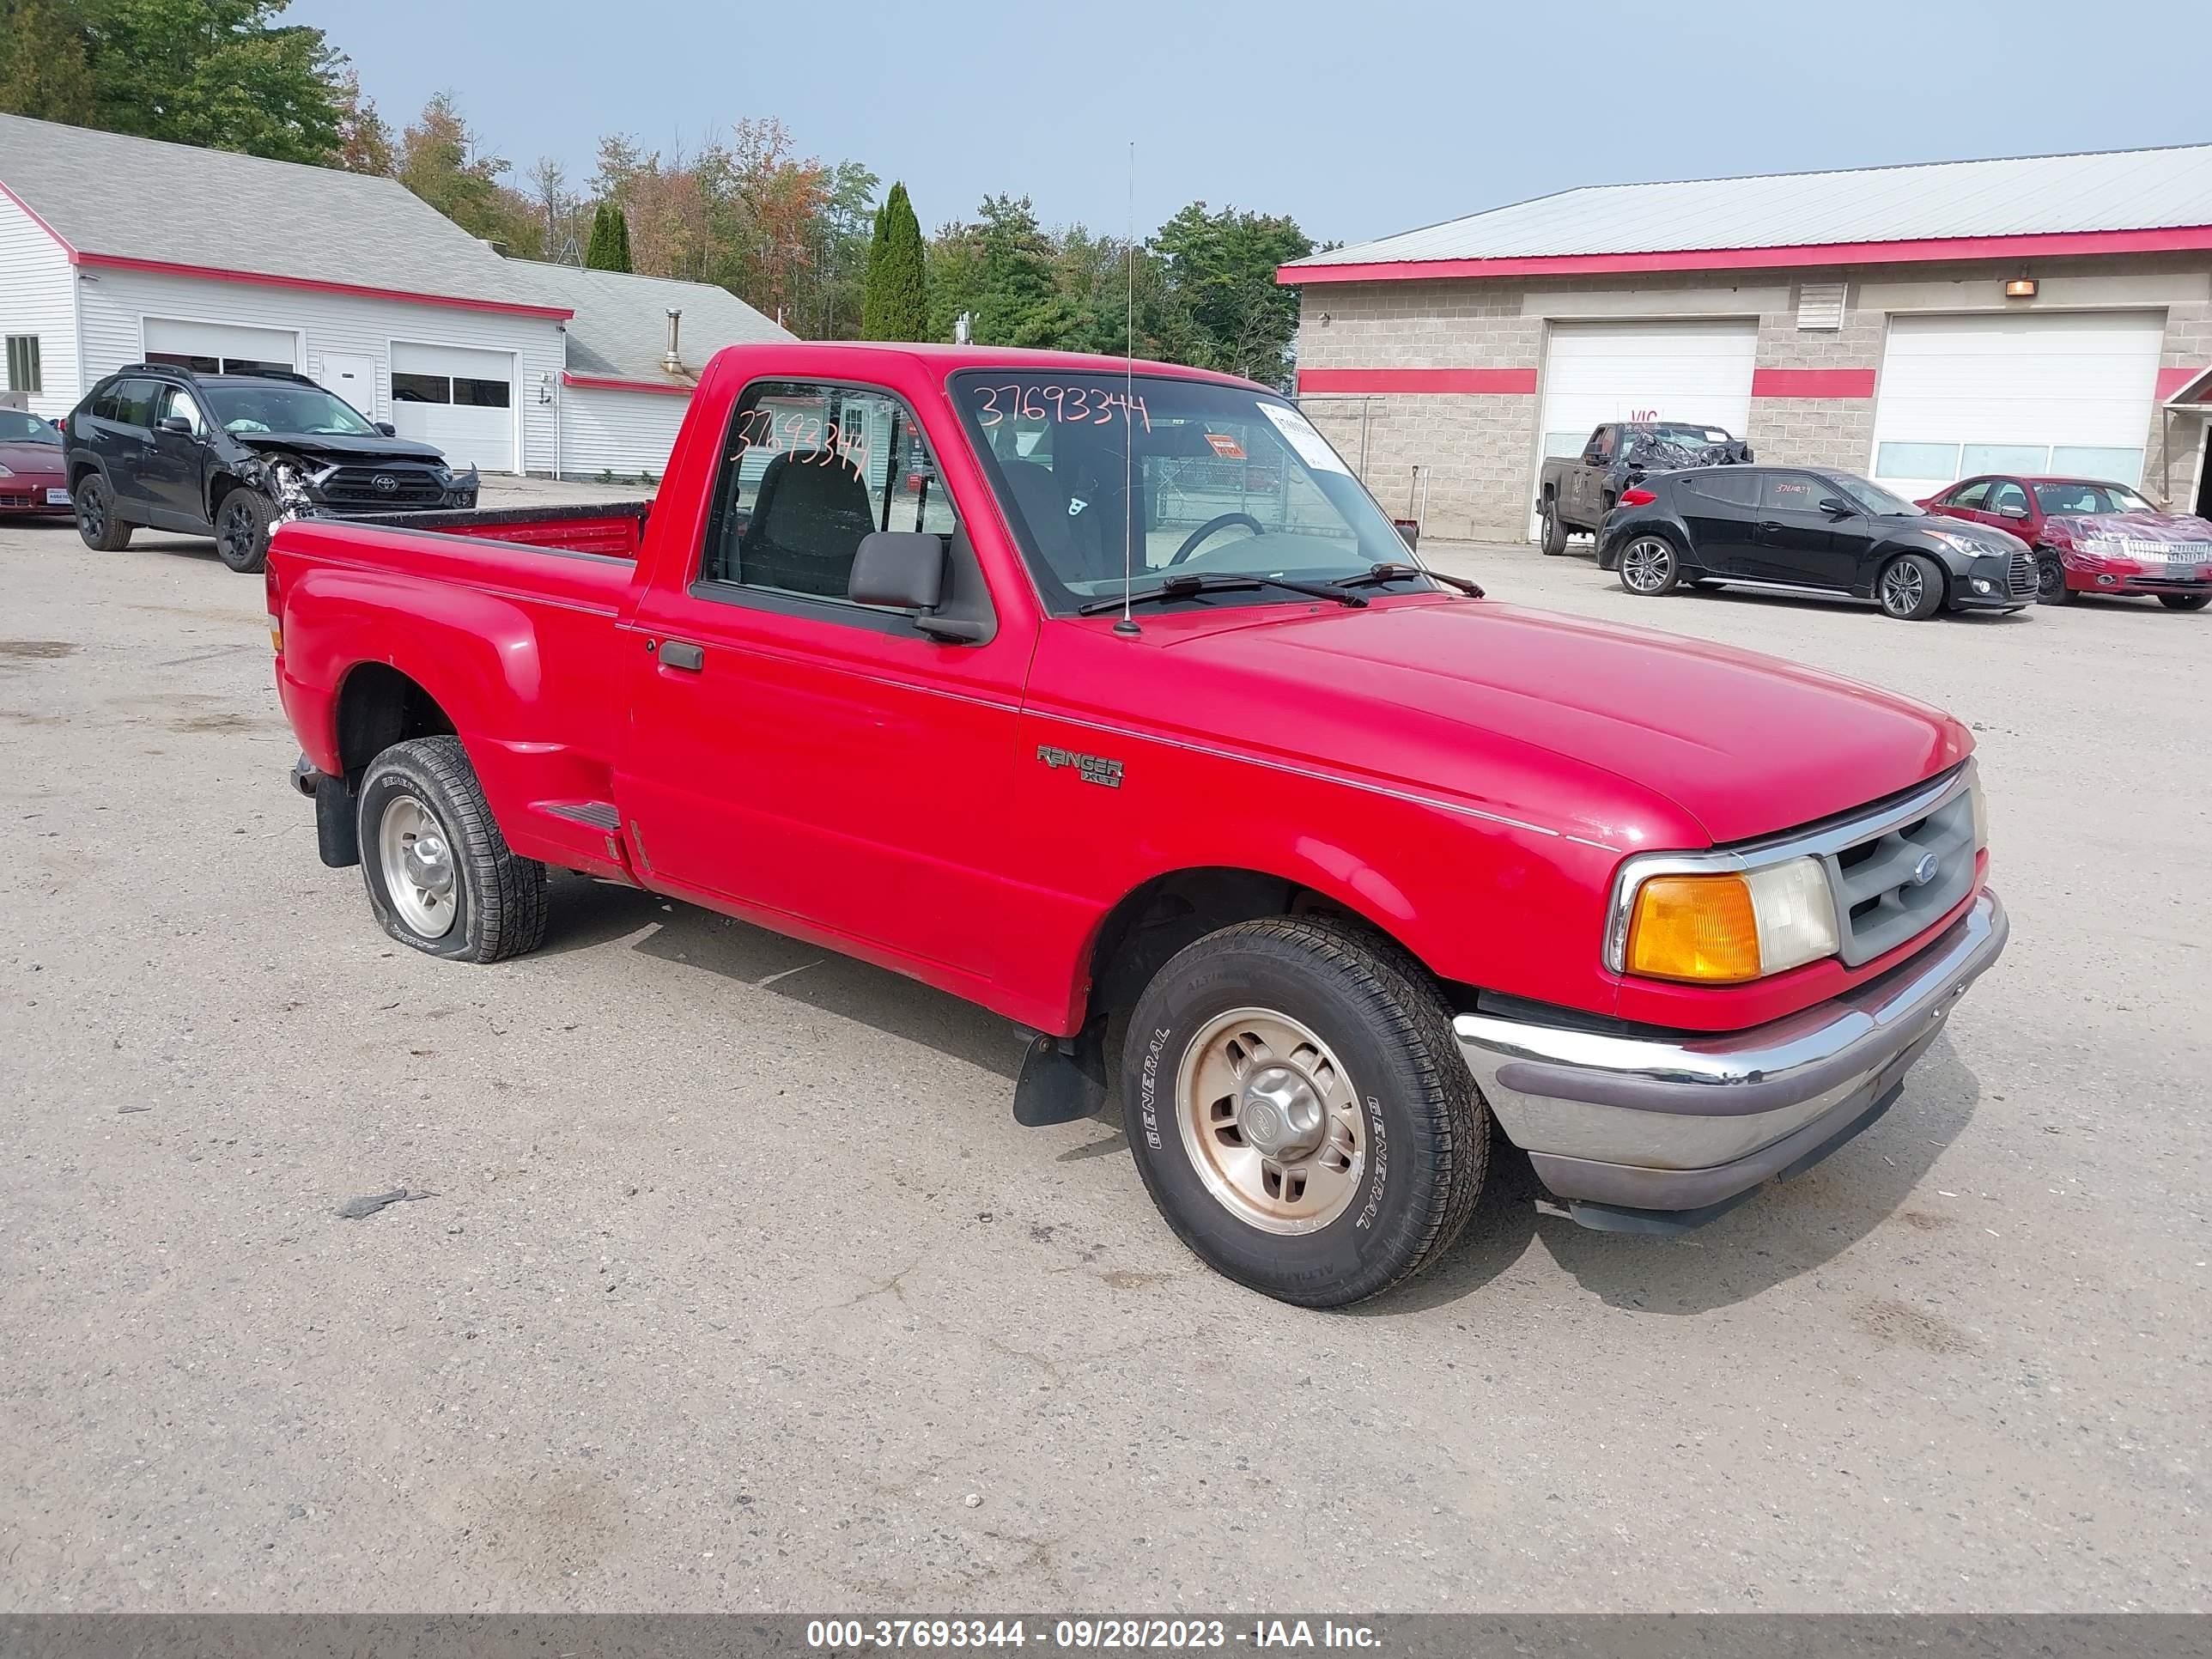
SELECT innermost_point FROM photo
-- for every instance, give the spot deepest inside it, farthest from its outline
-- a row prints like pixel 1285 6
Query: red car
pixel 1319 862
pixel 31 478
pixel 2092 536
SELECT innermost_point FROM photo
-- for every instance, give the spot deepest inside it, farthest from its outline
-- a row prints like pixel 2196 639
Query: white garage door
pixel 220 348
pixel 2006 392
pixel 461 399
pixel 1599 371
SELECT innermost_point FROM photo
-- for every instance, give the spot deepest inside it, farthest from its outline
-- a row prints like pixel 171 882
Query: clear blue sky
pixel 1358 119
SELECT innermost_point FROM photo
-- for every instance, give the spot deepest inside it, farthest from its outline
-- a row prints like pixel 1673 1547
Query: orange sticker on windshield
pixel 1225 447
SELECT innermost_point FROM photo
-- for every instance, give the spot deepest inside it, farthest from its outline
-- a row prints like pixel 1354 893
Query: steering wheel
pixel 1190 542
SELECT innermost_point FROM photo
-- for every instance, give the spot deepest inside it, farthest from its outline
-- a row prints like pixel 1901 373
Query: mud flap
pixel 1062 1080
pixel 337 826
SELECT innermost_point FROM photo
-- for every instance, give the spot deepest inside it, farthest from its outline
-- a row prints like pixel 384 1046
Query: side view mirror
pixel 1838 509
pixel 387 429
pixel 175 423
pixel 2015 512
pixel 904 569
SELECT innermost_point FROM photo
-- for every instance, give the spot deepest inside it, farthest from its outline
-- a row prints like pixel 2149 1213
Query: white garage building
pixel 1917 324
pixel 116 250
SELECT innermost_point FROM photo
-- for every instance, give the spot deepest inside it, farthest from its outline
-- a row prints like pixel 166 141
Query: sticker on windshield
pixel 1313 448
pixel 1225 447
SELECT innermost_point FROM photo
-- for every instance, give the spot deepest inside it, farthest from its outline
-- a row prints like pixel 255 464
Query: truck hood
pixel 1567 723
pixel 2165 528
pixel 340 446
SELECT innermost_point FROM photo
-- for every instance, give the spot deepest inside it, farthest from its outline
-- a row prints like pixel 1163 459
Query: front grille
pixel 355 487
pixel 1881 898
pixel 2151 552
pixel 2020 577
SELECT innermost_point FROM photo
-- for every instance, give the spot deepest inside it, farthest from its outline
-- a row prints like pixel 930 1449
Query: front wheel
pixel 1650 566
pixel 241 529
pixel 1299 1110
pixel 2184 601
pixel 1910 588
pixel 93 503
pixel 441 876
pixel 2051 580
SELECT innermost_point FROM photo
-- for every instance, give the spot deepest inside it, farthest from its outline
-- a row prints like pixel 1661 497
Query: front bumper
pixel 1654 1134
pixel 2159 579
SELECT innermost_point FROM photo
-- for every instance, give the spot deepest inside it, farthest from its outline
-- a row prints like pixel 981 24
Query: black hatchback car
pixel 1786 526
pixel 217 454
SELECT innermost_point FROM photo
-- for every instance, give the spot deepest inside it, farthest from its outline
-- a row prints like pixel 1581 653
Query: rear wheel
pixel 2050 579
pixel 241 529
pixel 1910 588
pixel 1650 566
pixel 1299 1110
pixel 441 876
pixel 1555 532
pixel 97 523
pixel 2184 601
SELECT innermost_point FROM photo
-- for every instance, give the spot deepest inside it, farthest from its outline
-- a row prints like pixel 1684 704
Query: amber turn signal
pixel 1702 928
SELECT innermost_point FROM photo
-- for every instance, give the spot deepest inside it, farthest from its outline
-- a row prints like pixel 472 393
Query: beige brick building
pixel 1918 325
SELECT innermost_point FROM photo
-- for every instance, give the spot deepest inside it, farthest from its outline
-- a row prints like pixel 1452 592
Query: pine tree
pixel 609 248
pixel 895 304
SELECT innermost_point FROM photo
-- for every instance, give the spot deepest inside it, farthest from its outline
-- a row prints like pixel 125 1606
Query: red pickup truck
pixel 1104 696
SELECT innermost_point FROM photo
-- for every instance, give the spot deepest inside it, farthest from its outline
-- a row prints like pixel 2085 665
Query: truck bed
pixel 613 528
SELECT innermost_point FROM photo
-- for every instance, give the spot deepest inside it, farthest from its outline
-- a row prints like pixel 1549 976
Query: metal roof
pixel 113 197
pixel 621 325
pixel 2026 196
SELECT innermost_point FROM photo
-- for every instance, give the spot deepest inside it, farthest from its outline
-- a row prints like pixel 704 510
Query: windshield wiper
pixel 1393 571
pixel 1184 587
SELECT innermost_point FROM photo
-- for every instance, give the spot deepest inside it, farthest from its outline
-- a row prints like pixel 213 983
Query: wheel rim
pixel 1646 564
pixel 2049 578
pixel 417 862
pixel 1271 1122
pixel 236 539
pixel 1902 589
pixel 95 516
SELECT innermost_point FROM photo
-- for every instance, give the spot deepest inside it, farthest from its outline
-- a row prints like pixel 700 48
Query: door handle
pixel 1770 524
pixel 681 653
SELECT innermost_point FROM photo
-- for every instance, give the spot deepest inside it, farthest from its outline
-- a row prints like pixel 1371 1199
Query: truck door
pixel 796 754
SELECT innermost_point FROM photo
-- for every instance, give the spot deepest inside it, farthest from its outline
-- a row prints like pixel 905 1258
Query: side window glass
pixel 134 401
pixel 1791 492
pixel 809 470
pixel 1972 496
pixel 175 400
pixel 2008 497
pixel 107 406
pixel 1724 484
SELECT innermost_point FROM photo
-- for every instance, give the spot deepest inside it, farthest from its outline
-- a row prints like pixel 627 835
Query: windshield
pixel 282 407
pixel 18 427
pixel 1226 482
pixel 2070 499
pixel 1874 498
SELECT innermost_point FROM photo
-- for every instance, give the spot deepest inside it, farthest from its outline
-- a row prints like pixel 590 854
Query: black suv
pixel 222 454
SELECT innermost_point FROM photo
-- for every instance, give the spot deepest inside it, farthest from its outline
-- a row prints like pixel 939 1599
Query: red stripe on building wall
pixel 2181 239
pixel 1812 383
pixel 2171 380
pixel 1518 381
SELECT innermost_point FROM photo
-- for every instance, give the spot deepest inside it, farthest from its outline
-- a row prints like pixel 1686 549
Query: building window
pixel 23 364
pixel 420 388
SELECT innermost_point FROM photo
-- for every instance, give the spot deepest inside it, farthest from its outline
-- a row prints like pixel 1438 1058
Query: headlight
pixel 1724 928
pixel 7 471
pixel 1981 809
pixel 1964 544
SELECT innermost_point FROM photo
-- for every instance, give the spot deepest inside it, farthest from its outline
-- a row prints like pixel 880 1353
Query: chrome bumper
pixel 1622 1127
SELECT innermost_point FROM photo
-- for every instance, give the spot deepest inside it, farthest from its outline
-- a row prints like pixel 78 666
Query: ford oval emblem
pixel 1925 871
pixel 384 483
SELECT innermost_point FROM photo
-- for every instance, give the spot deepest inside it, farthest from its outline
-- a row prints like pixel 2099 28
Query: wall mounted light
pixel 2020 287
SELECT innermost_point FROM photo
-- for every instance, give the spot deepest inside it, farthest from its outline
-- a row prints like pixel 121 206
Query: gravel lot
pixel 736 1286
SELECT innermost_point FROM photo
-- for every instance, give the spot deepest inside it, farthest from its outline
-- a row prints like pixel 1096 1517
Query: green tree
pixel 1220 302
pixel 445 163
pixel 609 249
pixel 1017 302
pixel 46 68
pixel 218 73
pixel 895 305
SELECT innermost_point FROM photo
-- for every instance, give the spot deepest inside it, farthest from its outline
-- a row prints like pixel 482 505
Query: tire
pixel 241 529
pixel 2184 601
pixel 1555 532
pixel 2050 579
pixel 94 504
pixel 1650 565
pixel 492 904
pixel 1912 588
pixel 1343 1015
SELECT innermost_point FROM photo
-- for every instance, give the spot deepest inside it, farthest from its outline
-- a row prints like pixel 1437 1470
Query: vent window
pixel 1820 305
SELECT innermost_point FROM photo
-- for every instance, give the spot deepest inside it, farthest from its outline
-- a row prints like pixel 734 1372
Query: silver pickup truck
pixel 1574 492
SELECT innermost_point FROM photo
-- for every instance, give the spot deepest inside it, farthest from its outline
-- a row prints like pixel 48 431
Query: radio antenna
pixel 1127 625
